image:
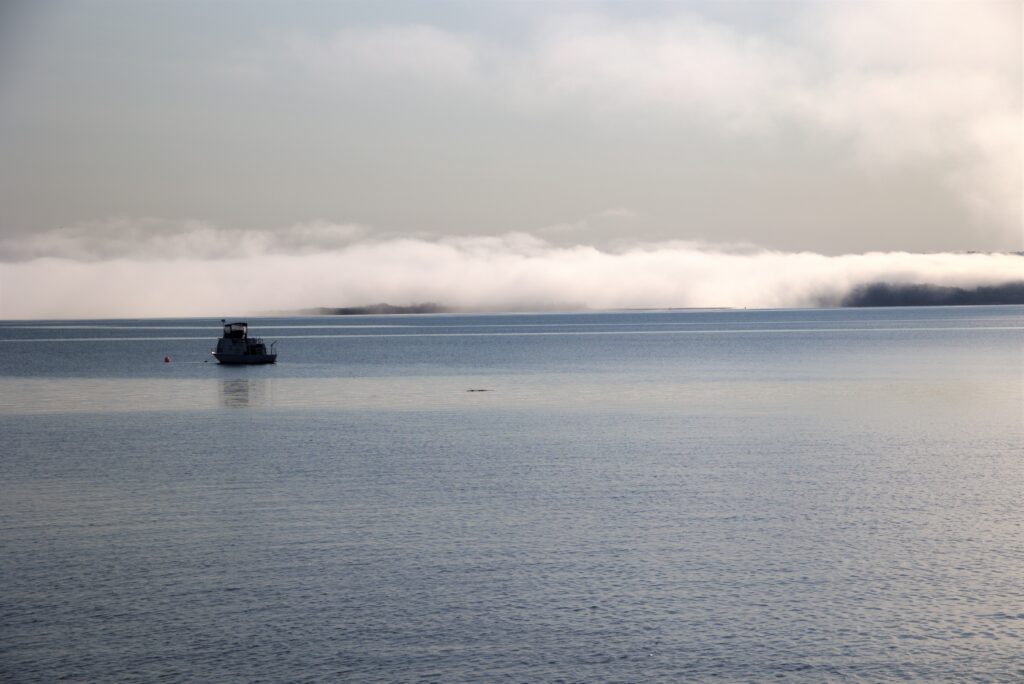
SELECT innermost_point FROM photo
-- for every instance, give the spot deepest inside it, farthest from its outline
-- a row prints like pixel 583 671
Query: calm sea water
pixel 668 496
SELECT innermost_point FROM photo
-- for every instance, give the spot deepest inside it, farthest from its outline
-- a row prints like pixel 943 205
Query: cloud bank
pixel 162 239
pixel 133 272
pixel 893 85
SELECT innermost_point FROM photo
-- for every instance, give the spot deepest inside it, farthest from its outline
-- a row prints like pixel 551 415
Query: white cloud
pixel 510 272
pixel 918 84
pixel 901 34
pixel 991 181
pixel 162 239
pixel 683 65
pixel 891 85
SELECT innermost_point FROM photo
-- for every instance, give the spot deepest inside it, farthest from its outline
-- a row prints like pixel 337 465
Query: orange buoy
pixel 167 359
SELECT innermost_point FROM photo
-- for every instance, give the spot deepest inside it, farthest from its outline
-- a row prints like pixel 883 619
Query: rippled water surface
pixel 802 495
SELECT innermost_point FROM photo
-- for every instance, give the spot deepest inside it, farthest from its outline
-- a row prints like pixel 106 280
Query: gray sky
pixel 155 130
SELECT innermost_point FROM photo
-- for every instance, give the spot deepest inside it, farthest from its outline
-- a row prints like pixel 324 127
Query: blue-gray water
pixel 705 496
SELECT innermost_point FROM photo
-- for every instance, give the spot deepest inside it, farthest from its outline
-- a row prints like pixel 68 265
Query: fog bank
pixel 507 273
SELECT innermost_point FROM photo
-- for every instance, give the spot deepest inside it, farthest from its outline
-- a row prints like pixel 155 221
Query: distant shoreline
pixel 383 309
pixel 880 294
pixel 923 294
pixel 380 309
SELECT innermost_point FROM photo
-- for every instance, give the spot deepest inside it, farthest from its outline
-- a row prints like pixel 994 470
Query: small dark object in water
pixel 479 390
pixel 236 347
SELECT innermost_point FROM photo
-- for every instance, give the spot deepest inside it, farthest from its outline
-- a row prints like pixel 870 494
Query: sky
pixel 187 158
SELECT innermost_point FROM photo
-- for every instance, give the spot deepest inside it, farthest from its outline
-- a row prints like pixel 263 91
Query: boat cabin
pixel 236 331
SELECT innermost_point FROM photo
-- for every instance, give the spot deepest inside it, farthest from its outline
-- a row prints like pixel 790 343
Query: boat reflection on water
pixel 243 393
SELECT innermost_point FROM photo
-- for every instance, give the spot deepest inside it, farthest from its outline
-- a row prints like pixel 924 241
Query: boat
pixel 236 347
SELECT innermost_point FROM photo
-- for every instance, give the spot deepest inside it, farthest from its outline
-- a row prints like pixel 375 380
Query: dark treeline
pixel 893 294
pixel 379 310
pixel 872 294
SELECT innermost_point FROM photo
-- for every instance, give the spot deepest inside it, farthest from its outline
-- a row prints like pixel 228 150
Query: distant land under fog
pixel 379 310
pixel 890 294
pixel 873 294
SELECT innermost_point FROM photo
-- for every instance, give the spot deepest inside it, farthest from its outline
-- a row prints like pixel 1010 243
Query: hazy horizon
pixel 159 155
